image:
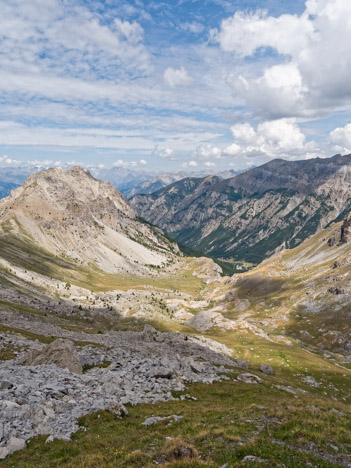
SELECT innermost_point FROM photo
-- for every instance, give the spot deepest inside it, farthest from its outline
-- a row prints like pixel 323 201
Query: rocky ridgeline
pixel 48 399
pixel 256 213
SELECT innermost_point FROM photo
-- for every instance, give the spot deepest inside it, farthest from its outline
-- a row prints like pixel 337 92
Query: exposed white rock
pixel 146 367
pixel 249 378
pixel 155 419
pixel 207 319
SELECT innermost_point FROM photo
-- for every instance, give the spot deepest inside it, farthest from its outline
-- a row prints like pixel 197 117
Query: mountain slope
pixel 303 293
pixel 250 216
pixel 72 215
pixel 239 341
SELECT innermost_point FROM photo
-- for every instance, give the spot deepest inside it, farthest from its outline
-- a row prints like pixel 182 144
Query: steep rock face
pixel 70 213
pixel 256 213
pixel 345 235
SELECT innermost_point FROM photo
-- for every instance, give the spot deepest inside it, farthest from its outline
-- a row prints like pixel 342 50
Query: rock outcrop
pixel 345 235
pixel 60 352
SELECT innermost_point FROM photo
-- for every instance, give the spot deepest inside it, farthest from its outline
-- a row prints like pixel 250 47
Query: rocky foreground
pixel 45 389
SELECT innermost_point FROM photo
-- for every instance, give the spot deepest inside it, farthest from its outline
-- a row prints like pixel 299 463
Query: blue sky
pixel 181 85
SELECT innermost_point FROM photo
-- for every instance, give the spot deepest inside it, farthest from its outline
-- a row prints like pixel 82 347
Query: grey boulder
pixel 60 352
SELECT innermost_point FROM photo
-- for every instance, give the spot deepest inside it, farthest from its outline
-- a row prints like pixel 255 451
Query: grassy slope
pixel 280 288
pixel 23 253
pixel 230 419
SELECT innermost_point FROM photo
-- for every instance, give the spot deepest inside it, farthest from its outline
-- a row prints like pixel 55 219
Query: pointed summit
pixel 70 213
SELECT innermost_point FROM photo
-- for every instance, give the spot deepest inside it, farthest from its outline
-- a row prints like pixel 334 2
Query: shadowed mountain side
pixel 254 214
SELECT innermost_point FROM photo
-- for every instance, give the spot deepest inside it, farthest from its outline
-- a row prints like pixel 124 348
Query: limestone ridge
pixel 70 213
pixel 256 213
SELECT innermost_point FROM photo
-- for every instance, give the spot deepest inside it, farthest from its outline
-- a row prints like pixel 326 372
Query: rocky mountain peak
pixel 70 212
pixel 69 192
pixel 304 176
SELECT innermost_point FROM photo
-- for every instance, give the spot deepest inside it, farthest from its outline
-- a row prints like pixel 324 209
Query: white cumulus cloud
pixel 341 137
pixel 312 76
pixel 271 139
pixel 177 77
pixel 207 151
pixel 122 163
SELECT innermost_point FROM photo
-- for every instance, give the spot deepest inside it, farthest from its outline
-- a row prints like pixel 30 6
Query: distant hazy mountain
pixel 129 181
pixel 155 183
pixel 251 215
pixel 122 178
pixel 132 182
pixel 13 177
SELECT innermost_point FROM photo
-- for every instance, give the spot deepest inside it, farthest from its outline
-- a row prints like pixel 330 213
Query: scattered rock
pixel 336 290
pixel 331 242
pixel 47 400
pixel 311 381
pixel 252 459
pixel 289 389
pixel 243 364
pixel 182 452
pixel 249 378
pixel 5 384
pixel 313 408
pixel 155 419
pixel 12 446
pixel 266 369
pixel 150 333
pixel 337 412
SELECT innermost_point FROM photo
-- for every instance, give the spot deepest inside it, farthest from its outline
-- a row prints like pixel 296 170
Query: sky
pixel 173 85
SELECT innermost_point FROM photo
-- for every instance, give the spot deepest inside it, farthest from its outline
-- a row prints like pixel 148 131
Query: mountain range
pixel 248 217
pixel 129 181
pixel 100 310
